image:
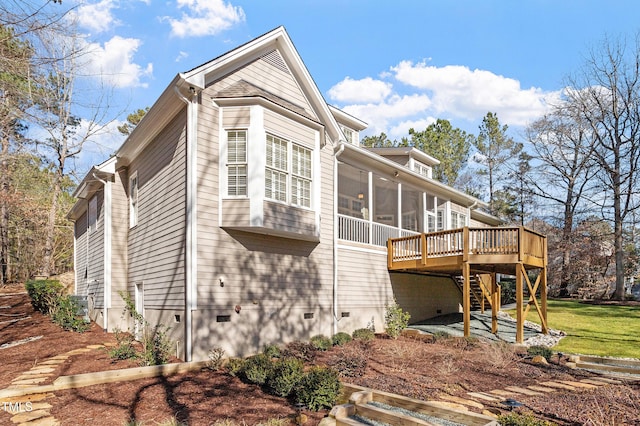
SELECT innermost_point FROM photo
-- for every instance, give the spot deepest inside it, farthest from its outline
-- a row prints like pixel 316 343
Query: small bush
pixel 540 350
pixel 321 342
pixel 64 313
pixel 395 319
pixel 256 369
pixel 319 388
pixel 340 338
pixel 272 351
pixel 235 366
pixel 157 347
pixel 44 294
pixel 351 361
pixel 286 373
pixel 440 335
pixel 365 334
pixel 516 419
pixel 216 359
pixel 301 350
pixel 124 348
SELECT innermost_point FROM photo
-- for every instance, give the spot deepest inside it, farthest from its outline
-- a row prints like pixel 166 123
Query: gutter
pixel 191 263
pixel 335 238
pixel 106 278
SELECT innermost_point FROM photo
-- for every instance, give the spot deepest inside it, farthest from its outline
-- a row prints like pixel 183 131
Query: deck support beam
pixel 466 298
pixel 519 306
pixel 495 303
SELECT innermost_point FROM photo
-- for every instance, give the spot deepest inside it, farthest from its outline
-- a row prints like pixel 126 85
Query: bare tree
pixel 58 103
pixel 607 96
pixel 563 146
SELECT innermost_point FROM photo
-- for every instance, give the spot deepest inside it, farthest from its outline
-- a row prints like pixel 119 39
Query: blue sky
pixel 394 64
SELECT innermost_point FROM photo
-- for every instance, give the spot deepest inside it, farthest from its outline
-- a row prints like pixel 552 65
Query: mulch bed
pixel 421 368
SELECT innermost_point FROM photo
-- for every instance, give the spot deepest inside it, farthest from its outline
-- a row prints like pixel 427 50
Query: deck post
pixel 519 300
pixel 466 299
pixel 543 299
pixel 495 303
pixel 389 253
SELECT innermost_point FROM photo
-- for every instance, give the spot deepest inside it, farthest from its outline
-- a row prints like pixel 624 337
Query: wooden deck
pixel 516 251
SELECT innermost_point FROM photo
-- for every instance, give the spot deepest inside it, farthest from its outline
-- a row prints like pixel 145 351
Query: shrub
pixel 440 335
pixel 516 419
pixel 256 369
pixel 365 334
pixel 64 313
pixel 156 346
pixel 44 294
pixel 340 338
pixel 272 351
pixel 351 361
pixel 286 373
pixel 124 348
pixel 321 342
pixel 216 359
pixel 540 350
pixel 319 388
pixel 235 366
pixel 301 350
pixel 395 319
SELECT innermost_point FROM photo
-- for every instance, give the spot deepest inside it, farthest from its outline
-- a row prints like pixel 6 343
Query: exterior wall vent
pixel 223 318
pixel 276 60
pixel 308 315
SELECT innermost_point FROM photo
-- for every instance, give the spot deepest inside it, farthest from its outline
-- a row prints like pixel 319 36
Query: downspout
pixel 335 238
pixel 106 278
pixel 190 218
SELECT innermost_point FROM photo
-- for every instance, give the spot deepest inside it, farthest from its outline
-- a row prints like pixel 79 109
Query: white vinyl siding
pixel 133 200
pixel 237 163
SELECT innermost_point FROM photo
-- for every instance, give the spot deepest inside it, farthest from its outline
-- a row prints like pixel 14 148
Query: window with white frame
pixel 237 163
pixel 440 220
pixel 133 200
pixel 348 134
pixel 422 169
pixel 458 220
pixel 93 214
pixel 300 176
pixel 288 173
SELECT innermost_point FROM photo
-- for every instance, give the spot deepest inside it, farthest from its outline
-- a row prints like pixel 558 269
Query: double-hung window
pixel 133 200
pixel 458 220
pixel 288 173
pixel 300 176
pixel 237 163
pixel 93 213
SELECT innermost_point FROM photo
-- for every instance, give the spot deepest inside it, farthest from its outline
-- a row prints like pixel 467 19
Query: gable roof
pixel 186 85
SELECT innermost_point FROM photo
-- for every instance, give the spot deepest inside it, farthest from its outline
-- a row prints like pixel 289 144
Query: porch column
pixel 543 299
pixel 466 299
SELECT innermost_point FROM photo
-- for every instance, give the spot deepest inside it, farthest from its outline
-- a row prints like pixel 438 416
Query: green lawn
pixel 594 329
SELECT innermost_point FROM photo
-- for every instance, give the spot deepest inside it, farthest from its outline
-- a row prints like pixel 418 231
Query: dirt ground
pixel 416 367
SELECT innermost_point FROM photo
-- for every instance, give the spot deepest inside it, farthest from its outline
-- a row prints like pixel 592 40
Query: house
pixel 242 211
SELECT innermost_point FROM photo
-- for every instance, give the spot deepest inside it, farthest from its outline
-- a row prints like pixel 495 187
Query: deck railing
pixel 366 232
pixel 519 241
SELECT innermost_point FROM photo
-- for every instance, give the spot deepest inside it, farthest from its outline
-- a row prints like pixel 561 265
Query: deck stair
pixel 476 290
pixel 368 405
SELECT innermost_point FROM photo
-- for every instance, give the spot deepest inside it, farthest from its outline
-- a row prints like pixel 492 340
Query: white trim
pixel 191 261
pixel 107 237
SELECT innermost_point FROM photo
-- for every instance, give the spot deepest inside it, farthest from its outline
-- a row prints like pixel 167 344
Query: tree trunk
pixel 50 232
pixel 567 236
pixel 4 212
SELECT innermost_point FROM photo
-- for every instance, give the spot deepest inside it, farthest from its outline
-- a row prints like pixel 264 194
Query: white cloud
pixel 96 17
pixel 182 55
pixel 383 115
pixel 114 62
pixel 470 94
pixel 204 17
pixel 364 90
